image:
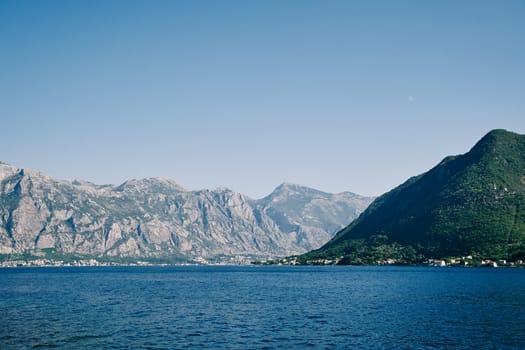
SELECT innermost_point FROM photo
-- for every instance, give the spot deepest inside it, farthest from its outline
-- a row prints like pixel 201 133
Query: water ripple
pixel 262 308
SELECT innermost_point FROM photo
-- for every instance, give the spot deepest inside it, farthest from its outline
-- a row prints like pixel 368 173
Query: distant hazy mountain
pixel 157 218
pixel 313 216
pixel 472 204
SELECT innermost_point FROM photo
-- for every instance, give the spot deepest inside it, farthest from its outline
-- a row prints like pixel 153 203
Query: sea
pixel 262 307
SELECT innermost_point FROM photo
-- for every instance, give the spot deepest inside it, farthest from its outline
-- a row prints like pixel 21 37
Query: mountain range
pixel 156 218
pixel 467 205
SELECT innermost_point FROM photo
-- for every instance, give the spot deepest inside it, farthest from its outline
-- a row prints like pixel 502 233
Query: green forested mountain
pixel 471 204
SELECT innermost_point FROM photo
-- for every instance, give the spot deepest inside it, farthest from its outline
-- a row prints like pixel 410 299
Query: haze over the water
pixel 336 95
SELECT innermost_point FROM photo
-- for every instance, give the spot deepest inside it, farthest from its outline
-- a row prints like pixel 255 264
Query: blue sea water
pixel 262 308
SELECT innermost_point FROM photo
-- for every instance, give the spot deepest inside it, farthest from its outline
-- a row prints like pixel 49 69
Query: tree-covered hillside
pixel 472 204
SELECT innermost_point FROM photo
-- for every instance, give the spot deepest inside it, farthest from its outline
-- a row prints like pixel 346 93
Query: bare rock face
pixel 156 217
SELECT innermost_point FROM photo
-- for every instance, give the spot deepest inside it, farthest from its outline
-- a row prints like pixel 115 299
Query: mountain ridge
pixel 156 217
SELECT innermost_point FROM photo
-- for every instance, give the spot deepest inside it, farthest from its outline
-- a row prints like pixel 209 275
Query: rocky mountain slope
pixel 157 218
pixel 472 204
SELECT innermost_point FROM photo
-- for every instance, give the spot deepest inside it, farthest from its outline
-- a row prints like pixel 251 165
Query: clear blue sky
pixel 336 95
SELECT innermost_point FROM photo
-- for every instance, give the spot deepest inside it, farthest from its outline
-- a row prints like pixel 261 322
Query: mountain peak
pixel 289 185
pixel 287 189
pixel 501 133
pixel 295 187
pixel 151 182
pixel 6 170
pixel 495 139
